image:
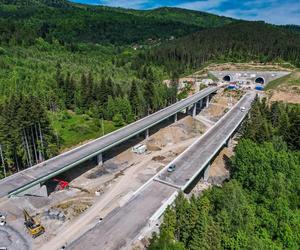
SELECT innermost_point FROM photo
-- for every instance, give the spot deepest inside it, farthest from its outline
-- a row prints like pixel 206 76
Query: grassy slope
pixel 74 129
pixel 292 79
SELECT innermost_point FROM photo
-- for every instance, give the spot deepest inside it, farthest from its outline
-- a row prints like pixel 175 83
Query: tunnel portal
pixel 260 80
pixel 227 78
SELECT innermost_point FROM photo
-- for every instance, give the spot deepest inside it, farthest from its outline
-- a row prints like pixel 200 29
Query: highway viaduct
pixel 128 222
pixel 30 180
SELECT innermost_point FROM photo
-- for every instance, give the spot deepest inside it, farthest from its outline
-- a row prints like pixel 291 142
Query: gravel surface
pixel 11 239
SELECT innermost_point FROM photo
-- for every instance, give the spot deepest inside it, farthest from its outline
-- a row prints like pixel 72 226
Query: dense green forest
pixel 259 207
pixel 91 69
pixel 237 42
pixel 106 91
pixel 21 22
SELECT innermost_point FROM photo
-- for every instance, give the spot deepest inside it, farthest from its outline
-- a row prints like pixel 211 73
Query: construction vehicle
pixel 60 184
pixel 34 228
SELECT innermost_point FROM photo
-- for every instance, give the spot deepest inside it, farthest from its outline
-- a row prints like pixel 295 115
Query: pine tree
pixel 136 100
pixel 169 224
pixel 69 91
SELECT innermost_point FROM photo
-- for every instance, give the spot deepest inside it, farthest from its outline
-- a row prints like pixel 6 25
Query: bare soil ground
pixel 242 66
pixel 221 103
pixel 218 172
pixel 117 179
pixel 114 182
pixel 219 168
pixel 288 90
pixel 289 95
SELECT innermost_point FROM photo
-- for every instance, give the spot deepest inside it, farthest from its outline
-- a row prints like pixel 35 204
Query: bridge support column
pixel 175 117
pixel 194 109
pixel 99 159
pixel 207 101
pixel 147 133
pixel 187 110
pixel 206 172
pixel 200 104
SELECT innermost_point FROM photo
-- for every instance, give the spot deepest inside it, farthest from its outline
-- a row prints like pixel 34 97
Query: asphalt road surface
pixel 196 157
pixel 73 157
pixel 124 224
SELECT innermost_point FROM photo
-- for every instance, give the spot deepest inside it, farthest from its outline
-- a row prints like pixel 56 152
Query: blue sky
pixel 271 11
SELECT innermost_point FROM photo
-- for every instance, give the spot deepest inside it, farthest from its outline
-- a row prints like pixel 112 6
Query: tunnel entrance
pixel 260 80
pixel 227 78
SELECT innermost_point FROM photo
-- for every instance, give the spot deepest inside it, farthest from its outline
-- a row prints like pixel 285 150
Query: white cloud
pixel 201 5
pixel 131 4
pixel 286 13
pixel 271 11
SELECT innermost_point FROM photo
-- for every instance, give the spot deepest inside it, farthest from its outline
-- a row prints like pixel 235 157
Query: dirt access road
pixel 121 190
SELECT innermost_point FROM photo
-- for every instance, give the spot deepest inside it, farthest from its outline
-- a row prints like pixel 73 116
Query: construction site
pixel 79 198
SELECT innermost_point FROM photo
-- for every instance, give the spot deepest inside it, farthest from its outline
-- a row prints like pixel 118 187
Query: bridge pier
pixel 175 117
pixel 194 109
pixel 200 104
pixel 147 133
pixel 187 110
pixel 206 172
pixel 99 159
pixel 207 101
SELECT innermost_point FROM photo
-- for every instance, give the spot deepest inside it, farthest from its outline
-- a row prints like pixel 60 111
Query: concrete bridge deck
pixel 41 172
pixel 124 224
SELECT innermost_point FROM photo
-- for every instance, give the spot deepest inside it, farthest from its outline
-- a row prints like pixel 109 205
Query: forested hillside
pixel 21 22
pixel 92 69
pixel 259 207
pixel 237 42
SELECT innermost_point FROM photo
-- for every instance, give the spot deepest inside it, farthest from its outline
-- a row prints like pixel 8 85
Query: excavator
pixel 34 228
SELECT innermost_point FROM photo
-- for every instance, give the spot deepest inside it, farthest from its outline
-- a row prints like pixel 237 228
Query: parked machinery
pixel 34 228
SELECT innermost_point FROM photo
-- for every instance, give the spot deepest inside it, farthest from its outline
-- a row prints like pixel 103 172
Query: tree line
pixel 22 22
pixel 106 98
pixel 259 207
pixel 237 42
pixel 26 135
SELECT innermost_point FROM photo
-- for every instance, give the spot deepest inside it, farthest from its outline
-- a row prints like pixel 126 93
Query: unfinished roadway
pixel 124 224
pixel 32 177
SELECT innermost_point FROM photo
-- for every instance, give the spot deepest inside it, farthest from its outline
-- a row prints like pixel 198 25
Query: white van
pixel 139 149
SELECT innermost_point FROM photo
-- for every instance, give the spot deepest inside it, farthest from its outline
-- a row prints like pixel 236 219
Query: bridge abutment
pixel 38 190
